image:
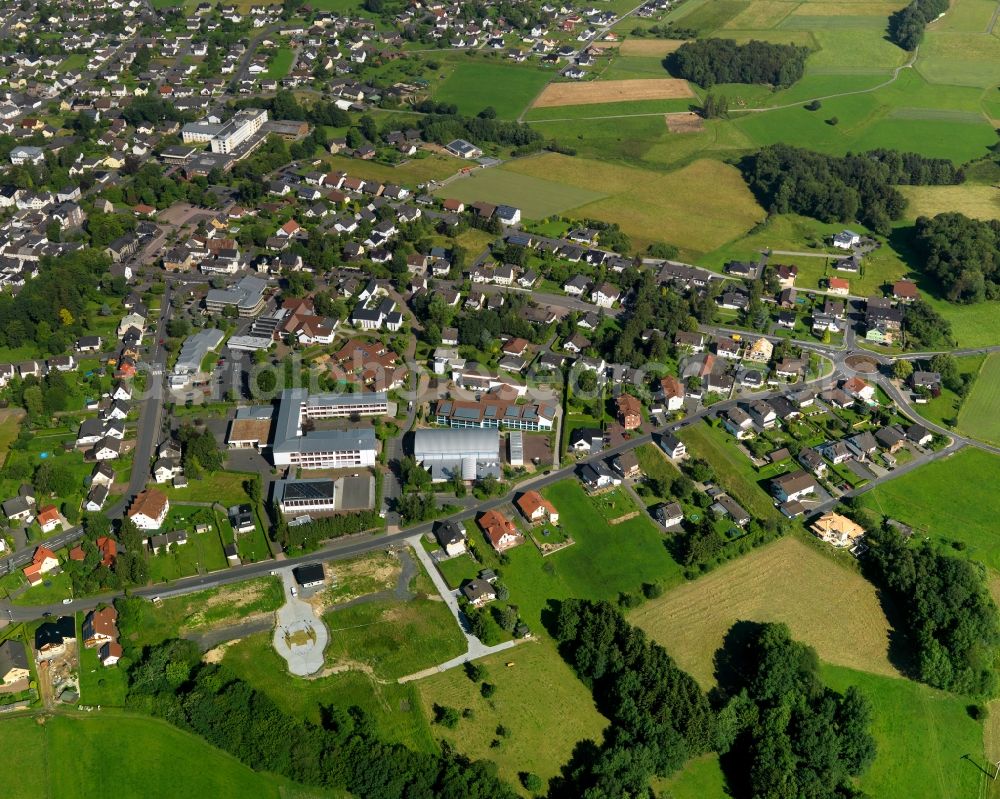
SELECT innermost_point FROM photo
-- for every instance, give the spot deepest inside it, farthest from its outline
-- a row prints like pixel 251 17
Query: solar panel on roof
pixel 321 490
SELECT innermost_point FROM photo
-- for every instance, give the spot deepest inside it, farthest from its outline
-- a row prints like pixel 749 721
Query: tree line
pixel 950 617
pixel 962 254
pixel 710 61
pixel 831 188
pixel 781 731
pixel 906 26
pixel 342 753
pixel 778 729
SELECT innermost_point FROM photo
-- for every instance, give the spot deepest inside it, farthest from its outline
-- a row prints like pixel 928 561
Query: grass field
pixel 474 84
pixel 538 698
pixel 416 170
pixel 280 63
pixel 10 425
pixel 944 408
pixel 701 778
pixel 651 206
pixel 393 708
pixel 824 604
pixel 733 469
pixel 976 201
pixel 927 499
pixel 605 560
pixel 223 487
pixel 599 111
pixel 69 757
pixel 928 746
pixel 205 610
pixel 535 196
pixel 980 413
pixel 393 639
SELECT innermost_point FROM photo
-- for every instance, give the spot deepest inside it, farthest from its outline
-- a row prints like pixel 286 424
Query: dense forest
pixel 659 716
pixel 906 26
pixel 52 309
pixel 170 681
pixel 711 61
pixel 950 617
pixel 479 130
pixel 789 734
pixel 830 188
pixel 962 254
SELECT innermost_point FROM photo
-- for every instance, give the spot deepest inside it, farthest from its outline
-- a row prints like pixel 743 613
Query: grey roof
pixel 245 294
pixel 12 656
pixel 437 445
pixel 327 400
pixel 194 350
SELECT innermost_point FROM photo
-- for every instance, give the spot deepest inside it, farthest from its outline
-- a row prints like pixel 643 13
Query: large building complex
pixel 491 412
pixel 333 406
pixel 473 454
pixel 192 354
pixel 317 449
pixel 225 137
pixel 247 297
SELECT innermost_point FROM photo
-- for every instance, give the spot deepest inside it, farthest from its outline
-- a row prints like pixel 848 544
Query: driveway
pixel 299 637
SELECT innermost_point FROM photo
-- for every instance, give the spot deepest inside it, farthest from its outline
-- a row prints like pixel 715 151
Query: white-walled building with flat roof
pixel 318 449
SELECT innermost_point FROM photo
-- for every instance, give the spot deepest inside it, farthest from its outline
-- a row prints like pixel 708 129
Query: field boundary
pixel 555 95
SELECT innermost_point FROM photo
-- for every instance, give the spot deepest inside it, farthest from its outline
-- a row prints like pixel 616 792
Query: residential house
pixel 629 411
pixel 672 446
pixel 793 486
pixel 452 538
pixel 668 514
pixel 499 530
pixel 43 562
pixel 837 530
pixel 536 508
pixel 479 592
pixel 149 509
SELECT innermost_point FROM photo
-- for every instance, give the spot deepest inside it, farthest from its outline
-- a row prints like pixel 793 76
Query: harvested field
pixel 612 91
pixel 826 606
pixel 685 123
pixel 650 47
pixel 977 201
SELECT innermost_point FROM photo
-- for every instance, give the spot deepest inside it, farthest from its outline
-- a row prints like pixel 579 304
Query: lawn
pixel 980 413
pixel 656 466
pixel 206 610
pixel 927 743
pixel 280 63
pixel 944 408
pixel 535 196
pixel 69 757
pixel 202 553
pixel 391 639
pixel 225 488
pixel 733 469
pixel 475 84
pixel 99 685
pixel 927 499
pixel 700 778
pixel 825 604
pixel 652 206
pixel 393 708
pixel 604 562
pixel 53 588
pixel 538 698
pixel 409 173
